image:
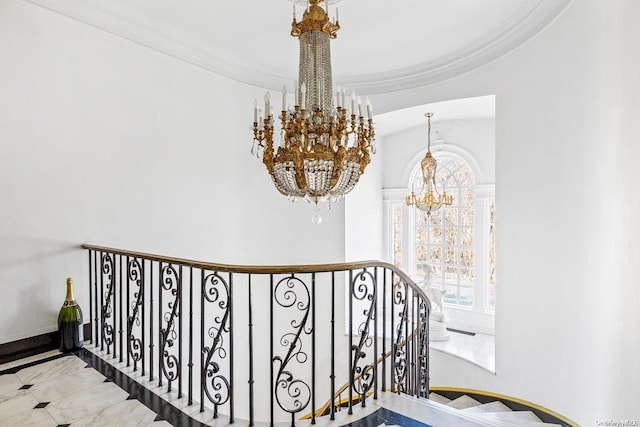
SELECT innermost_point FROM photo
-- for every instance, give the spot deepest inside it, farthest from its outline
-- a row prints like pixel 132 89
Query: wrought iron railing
pixel 267 343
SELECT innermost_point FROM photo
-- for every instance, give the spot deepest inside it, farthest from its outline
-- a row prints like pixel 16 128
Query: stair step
pixel 463 402
pixel 518 417
pixel 435 397
pixel 537 424
pixel 496 406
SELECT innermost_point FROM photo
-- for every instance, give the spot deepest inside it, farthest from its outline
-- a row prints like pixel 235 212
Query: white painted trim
pixel 532 17
pixel 394 193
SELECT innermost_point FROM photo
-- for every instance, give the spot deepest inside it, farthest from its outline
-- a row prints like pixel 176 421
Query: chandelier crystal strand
pixel 428 199
pixel 324 146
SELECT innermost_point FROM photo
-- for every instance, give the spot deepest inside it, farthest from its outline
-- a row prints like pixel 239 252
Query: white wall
pixel 363 213
pixel 566 143
pixel 474 137
pixel 107 142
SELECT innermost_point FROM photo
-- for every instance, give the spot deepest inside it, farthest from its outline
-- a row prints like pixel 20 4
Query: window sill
pixel 478 349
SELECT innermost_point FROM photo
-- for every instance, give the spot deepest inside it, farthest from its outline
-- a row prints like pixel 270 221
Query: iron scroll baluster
pixel 91 279
pixel 399 350
pixel 291 313
pixel 251 379
pixel 216 293
pixel 292 393
pixel 135 346
pixel 363 288
pixel 107 281
pixel 169 365
pixel 423 345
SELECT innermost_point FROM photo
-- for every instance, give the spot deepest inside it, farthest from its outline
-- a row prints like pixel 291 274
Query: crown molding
pixel 532 17
pixel 164 40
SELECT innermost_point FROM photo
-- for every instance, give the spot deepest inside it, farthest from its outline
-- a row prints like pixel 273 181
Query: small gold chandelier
pixel 428 199
pixel 324 146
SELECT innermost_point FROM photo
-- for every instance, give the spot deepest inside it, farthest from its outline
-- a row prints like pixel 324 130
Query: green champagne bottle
pixel 70 324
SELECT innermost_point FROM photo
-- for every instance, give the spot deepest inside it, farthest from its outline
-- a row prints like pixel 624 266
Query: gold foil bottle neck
pixel 69 289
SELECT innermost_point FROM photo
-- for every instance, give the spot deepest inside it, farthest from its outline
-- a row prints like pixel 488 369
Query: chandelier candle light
pixel 324 145
pixel 428 199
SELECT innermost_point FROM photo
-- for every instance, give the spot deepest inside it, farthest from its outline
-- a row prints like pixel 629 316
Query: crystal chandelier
pixel 324 146
pixel 428 198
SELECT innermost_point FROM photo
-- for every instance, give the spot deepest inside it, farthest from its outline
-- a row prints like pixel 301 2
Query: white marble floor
pixel 54 390
pixel 63 392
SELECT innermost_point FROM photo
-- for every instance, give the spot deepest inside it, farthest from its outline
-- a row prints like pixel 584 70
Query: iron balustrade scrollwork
pixel 399 350
pixel 292 393
pixel 216 293
pixel 423 349
pixel 135 345
pixel 170 366
pixel 364 289
pixel 311 358
pixel 107 284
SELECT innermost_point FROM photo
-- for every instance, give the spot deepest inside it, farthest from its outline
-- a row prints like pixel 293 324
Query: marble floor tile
pixel 130 413
pixel 45 371
pixel 15 403
pixel 30 418
pixel 20 362
pixel 462 402
pixel 9 383
pixel 81 405
pixel 495 406
pixel 159 424
pixel 172 398
pixel 60 386
pixel 435 397
pixel 515 418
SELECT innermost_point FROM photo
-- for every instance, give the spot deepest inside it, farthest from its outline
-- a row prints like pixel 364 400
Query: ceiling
pixel 383 46
pixel 481 107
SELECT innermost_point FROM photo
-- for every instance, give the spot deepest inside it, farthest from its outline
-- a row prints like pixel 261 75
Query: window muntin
pixel 396 230
pixel 491 279
pixel 446 239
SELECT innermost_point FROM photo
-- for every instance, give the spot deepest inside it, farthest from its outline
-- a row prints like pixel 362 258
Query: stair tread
pixel 495 406
pixel 439 398
pixel 521 416
pixel 538 424
pixel 462 402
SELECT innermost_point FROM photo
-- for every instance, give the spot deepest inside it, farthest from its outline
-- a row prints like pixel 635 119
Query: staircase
pixel 497 410
pixel 265 345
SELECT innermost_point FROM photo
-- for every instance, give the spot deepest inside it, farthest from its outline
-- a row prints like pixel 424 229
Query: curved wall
pixel 107 142
pixel 568 316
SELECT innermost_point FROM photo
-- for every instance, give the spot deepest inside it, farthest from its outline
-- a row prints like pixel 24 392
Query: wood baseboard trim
pixel 33 345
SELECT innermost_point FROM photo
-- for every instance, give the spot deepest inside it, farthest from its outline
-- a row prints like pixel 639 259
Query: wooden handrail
pixel 263 269
pixel 400 277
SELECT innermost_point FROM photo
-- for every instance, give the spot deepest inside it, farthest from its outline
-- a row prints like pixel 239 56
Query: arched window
pixel 446 239
pixel 457 241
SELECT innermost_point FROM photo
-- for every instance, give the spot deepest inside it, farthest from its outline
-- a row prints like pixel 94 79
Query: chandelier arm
pixel 428 198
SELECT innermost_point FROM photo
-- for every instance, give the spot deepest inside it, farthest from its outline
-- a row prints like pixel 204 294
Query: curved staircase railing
pixel 261 343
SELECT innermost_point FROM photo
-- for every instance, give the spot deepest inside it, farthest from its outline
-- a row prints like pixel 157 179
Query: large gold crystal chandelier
pixel 428 198
pixel 324 146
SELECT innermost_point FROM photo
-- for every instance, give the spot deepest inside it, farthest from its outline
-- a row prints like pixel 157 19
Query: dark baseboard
pixel 33 345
